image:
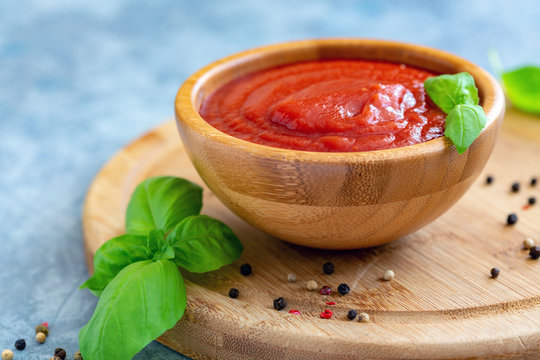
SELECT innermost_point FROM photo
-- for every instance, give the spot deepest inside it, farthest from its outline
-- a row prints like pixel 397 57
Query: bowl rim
pixel 185 110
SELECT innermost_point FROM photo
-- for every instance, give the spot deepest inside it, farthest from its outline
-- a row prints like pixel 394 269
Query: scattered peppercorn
pixel 7 354
pixel 363 317
pixel 312 285
pixel 343 289
pixel 515 187
pixel 77 356
pixel 61 353
pixel 20 344
pixel 534 181
pixel 295 312
pixel 528 243
pixel 495 272
pixel 330 303
pixel 245 269
pixel 388 275
pixel 291 278
pixel 511 219
pixel 534 252
pixel 326 314
pixel 328 268
pixel 233 293
pixel 489 179
pixel 280 303
pixel 43 329
pixel 41 337
pixel 325 290
pixel 532 200
pixel 351 315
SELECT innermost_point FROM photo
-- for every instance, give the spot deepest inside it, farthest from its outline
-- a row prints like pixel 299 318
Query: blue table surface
pixel 79 80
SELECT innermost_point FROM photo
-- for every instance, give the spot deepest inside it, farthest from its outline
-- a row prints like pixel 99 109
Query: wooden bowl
pixel 334 200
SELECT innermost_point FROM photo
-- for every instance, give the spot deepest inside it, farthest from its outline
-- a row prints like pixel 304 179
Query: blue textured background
pixel 81 79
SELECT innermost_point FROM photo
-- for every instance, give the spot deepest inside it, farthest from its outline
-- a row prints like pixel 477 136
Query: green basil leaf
pixel 161 203
pixel 202 244
pixel 160 248
pixel 463 125
pixel 448 91
pixel 112 257
pixel 143 301
pixel 523 88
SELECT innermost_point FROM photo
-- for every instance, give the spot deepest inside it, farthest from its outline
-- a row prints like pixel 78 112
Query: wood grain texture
pixel 442 303
pixel 334 200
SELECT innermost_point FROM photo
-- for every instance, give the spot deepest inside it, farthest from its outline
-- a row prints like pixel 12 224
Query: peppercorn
pixel 343 289
pixel 325 290
pixel 534 252
pixel 489 179
pixel 511 219
pixel 280 303
pixel 532 200
pixel 495 272
pixel 363 317
pixel 326 314
pixel 7 355
pixel 312 285
pixel 77 356
pixel 245 269
pixel 328 268
pixel 515 187
pixel 388 275
pixel 534 181
pixel 233 293
pixel 528 243
pixel 291 278
pixel 41 337
pixel 43 329
pixel 20 344
pixel 61 353
pixel 351 315
pixel 294 311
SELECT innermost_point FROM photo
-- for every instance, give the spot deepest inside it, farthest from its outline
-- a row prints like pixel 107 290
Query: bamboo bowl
pixel 334 200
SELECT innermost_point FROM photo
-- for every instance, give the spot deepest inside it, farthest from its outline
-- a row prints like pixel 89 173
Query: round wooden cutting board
pixel 442 303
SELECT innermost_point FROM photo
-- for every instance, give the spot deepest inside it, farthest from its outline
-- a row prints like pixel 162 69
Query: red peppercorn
pixel 330 303
pixel 295 312
pixel 326 314
pixel 325 290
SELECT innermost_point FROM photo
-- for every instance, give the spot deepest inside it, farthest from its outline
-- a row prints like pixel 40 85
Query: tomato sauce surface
pixel 328 105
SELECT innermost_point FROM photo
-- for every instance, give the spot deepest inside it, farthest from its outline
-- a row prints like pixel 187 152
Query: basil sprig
pixel 141 292
pixel 457 96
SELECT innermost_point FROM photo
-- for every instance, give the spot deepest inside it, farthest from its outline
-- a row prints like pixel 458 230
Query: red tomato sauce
pixel 328 105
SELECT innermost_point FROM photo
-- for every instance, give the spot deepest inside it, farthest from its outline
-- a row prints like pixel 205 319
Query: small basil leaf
pixel 161 203
pixel 463 125
pixel 202 244
pixel 144 300
pixel 448 91
pixel 112 257
pixel 158 246
pixel 523 88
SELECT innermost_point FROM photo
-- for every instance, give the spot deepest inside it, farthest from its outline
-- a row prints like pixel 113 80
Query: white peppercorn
pixel 312 285
pixel 291 278
pixel 388 275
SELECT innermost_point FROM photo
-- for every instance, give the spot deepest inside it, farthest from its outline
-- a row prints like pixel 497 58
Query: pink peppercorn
pixel 325 290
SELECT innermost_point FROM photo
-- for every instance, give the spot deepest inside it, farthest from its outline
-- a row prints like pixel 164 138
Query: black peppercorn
pixel 511 219
pixel 233 293
pixel 351 315
pixel 495 272
pixel 61 353
pixel 20 344
pixel 328 268
pixel 489 179
pixel 245 269
pixel 280 303
pixel 534 181
pixel 534 252
pixel 343 289
pixel 515 187
pixel 532 200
